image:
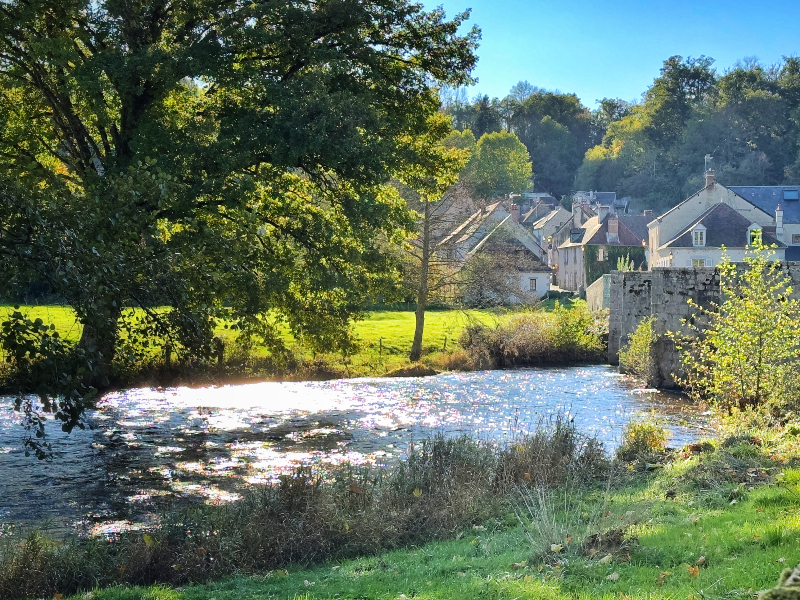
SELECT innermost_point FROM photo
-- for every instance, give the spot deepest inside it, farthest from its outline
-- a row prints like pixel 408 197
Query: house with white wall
pixel 693 233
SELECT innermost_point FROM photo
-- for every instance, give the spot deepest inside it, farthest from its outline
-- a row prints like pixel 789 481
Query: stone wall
pixel 598 294
pixel 665 293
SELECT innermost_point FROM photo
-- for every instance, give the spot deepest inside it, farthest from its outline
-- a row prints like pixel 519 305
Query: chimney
pixel 711 178
pixel 602 212
pixel 515 212
pixel 613 224
pixel 779 223
pixel 648 214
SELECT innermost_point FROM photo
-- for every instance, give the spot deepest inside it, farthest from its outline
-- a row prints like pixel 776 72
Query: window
pixel 532 283
pixel 700 262
pixel 754 235
pixel 795 238
pixel 791 194
pixel 601 253
pixel 566 256
pixel 699 236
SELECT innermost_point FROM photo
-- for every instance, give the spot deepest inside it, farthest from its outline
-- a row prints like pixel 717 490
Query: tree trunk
pixel 422 291
pixel 98 340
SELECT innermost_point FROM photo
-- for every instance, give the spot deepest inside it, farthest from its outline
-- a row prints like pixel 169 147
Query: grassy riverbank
pixel 675 549
pixel 383 343
pixel 545 518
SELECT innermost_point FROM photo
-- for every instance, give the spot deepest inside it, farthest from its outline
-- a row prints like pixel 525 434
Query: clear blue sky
pixel 602 48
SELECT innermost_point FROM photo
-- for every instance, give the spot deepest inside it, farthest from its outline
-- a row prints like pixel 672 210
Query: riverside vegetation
pixel 547 517
pixel 555 331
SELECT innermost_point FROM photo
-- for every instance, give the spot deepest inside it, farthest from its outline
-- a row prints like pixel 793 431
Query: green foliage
pixel 555 128
pixel 561 336
pixel 49 367
pixel 632 256
pixel 641 439
pixel 654 151
pixel 223 161
pixel 746 351
pixel 636 357
pixel 625 263
pixel 501 164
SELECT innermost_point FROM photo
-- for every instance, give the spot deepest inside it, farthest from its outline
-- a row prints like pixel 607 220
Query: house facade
pixel 516 265
pixel 593 248
pixel 694 233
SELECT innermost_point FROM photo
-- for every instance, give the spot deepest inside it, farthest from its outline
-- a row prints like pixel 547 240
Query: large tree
pixel 221 158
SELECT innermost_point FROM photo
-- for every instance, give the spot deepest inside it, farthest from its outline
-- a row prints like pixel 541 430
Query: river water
pixel 145 448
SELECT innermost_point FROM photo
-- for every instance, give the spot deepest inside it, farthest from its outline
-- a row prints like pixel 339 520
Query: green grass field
pixel 683 549
pixel 384 337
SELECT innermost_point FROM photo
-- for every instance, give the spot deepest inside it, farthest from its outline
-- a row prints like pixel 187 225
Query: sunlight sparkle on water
pixel 145 448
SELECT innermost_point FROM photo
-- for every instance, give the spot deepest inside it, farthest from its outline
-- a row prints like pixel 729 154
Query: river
pixel 146 448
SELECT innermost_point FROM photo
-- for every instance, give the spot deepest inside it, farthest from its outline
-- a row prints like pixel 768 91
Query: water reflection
pixel 146 448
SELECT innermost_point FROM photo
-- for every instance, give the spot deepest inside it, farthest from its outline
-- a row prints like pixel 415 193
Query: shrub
pixel 558 337
pixel 640 439
pixel 748 356
pixel 636 357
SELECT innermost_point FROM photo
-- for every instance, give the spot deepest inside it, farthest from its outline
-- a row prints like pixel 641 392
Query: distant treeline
pixel 747 118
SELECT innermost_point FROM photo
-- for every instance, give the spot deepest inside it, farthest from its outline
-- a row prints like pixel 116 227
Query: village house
pixel 594 249
pixel 546 228
pixel 694 233
pixel 496 230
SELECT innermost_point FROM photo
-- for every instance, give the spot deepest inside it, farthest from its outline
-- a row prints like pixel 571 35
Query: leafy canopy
pixel 227 160
pixel 501 164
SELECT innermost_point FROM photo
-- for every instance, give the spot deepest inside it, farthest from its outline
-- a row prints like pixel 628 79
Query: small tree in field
pixel 748 354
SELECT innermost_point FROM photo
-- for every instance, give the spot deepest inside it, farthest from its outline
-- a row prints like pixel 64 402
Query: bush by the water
pixel 557 337
pixel 636 357
pixel 744 353
pixel 641 439
pixel 442 487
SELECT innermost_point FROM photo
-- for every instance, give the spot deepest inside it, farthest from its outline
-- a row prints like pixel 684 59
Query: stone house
pixel 594 248
pixel 693 233
pixel 496 230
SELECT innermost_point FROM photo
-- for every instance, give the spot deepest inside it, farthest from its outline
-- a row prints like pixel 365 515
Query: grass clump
pixel 536 338
pixel 442 487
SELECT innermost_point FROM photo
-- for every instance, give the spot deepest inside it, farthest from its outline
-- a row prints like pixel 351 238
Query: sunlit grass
pixel 736 550
pixel 384 338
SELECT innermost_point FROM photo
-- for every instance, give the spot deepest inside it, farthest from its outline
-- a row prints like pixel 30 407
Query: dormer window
pixel 754 235
pixel 699 236
pixel 791 194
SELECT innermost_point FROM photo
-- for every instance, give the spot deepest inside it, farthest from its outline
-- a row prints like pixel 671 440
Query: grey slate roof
pixel 632 229
pixel 767 198
pixel 468 228
pixel 724 227
pixel 636 224
pixel 604 198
